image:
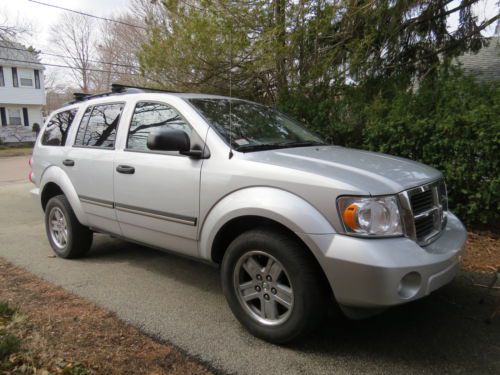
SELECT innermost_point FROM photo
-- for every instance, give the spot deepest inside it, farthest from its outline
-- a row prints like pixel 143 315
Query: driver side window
pixel 151 117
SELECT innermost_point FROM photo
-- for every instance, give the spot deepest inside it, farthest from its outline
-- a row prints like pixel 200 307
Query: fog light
pixel 409 285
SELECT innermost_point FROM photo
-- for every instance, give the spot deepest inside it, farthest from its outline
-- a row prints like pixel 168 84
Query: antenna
pixel 231 82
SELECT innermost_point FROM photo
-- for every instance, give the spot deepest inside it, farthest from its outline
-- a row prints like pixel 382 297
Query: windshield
pixel 254 127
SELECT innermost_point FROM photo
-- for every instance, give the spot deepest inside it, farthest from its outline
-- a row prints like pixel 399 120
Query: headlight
pixel 370 216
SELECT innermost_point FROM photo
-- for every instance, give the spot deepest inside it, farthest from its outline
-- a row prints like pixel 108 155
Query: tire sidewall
pixel 58 202
pixel 297 322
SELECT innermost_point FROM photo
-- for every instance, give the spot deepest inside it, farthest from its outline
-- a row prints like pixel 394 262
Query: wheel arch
pixel 261 207
pixel 55 181
pixel 267 203
pixel 235 227
pixel 50 190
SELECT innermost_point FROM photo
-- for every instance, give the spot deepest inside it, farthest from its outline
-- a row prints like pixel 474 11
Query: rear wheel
pixel 67 237
pixel 273 285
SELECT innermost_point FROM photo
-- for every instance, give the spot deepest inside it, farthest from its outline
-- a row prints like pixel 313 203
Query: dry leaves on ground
pixel 63 329
pixel 482 252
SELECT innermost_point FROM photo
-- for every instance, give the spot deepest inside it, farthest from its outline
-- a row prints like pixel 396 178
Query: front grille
pixel 424 227
pixel 428 205
pixel 422 202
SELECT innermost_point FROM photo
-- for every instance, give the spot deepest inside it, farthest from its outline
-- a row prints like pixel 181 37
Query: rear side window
pixel 57 129
pixel 99 125
pixel 151 117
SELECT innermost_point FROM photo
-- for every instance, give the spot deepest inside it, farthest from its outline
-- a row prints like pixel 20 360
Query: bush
pixel 453 124
pixel 36 128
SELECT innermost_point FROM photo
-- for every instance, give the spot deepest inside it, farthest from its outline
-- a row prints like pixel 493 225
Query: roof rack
pixel 116 89
pixel 119 88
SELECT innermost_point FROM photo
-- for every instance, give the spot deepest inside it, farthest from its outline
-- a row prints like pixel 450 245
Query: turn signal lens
pixel 349 216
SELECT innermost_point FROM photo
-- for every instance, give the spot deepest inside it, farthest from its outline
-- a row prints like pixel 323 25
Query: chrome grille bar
pixel 424 211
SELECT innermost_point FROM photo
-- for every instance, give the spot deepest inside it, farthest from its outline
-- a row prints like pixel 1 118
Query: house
pixel 22 92
pixel 485 64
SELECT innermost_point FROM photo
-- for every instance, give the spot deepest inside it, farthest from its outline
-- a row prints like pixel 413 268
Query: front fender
pixel 57 176
pixel 279 205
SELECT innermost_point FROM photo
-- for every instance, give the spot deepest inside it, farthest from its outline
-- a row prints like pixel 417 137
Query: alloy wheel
pixel 263 288
pixel 58 227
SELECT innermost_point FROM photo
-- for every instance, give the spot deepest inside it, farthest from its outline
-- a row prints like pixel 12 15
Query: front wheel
pixel 273 285
pixel 67 237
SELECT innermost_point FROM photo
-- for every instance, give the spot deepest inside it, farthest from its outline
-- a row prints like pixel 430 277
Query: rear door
pixel 157 193
pixel 89 164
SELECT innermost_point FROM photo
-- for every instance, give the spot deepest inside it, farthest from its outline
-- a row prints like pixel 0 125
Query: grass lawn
pixel 15 150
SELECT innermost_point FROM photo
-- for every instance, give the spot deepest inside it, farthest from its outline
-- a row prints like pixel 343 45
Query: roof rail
pixel 119 88
pixel 116 89
pixel 79 96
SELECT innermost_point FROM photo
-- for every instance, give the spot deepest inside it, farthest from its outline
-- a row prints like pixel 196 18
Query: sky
pixel 41 18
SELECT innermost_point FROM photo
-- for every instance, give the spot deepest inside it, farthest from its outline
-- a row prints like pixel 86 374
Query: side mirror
pixel 169 140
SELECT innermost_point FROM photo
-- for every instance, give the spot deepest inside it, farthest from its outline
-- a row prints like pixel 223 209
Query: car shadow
pixel 445 332
pixel 168 265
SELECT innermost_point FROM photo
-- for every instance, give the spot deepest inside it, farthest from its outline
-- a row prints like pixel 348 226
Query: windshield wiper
pixel 273 146
pixel 304 143
pixel 261 147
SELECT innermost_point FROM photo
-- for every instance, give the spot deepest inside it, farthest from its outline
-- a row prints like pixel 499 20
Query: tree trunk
pixel 280 27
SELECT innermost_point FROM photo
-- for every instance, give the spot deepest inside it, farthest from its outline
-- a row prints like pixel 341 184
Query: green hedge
pixel 451 122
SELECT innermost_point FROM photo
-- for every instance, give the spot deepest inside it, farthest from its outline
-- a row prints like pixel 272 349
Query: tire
pixel 307 296
pixel 60 218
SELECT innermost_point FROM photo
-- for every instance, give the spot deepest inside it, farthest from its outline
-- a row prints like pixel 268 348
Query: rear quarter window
pixel 57 129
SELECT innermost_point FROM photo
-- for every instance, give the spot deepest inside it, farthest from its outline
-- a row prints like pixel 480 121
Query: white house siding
pixel 17 98
pixel 21 95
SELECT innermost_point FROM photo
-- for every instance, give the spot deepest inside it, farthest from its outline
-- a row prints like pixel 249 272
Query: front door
pixel 157 193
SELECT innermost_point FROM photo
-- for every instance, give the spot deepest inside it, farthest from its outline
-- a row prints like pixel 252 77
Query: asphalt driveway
pixel 180 301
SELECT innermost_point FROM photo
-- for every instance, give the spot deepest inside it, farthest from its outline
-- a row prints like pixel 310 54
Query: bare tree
pixel 75 37
pixel 57 93
pixel 117 52
pixel 13 29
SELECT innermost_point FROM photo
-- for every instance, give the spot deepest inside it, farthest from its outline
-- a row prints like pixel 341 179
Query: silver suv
pixel 295 224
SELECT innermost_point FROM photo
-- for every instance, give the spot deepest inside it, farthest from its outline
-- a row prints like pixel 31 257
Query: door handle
pixel 125 169
pixel 69 163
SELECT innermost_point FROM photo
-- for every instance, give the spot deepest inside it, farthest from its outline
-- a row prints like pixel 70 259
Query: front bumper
pixel 377 273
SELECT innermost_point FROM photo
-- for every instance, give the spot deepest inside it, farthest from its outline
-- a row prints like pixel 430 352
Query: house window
pixel 27 82
pixel 37 79
pixel 15 117
pixel 2 80
pixel 15 82
pixel 26 78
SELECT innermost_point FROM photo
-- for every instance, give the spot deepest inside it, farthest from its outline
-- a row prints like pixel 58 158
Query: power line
pixel 70 67
pixel 88 15
pixel 69 57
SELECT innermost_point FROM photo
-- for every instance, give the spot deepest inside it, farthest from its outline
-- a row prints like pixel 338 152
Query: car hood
pixel 370 172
